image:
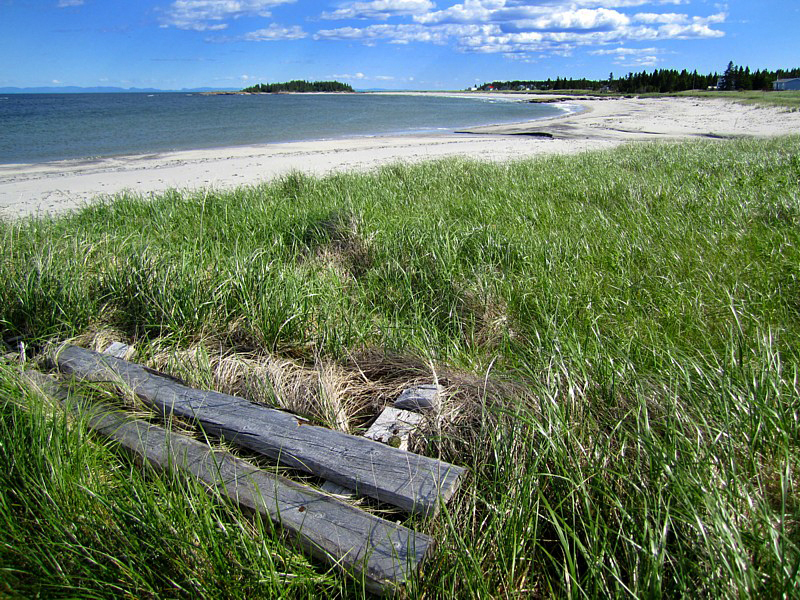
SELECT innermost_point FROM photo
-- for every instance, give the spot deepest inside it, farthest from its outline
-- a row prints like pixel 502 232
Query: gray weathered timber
pixel 409 481
pixel 382 553
pixel 420 398
pixel 394 427
pixel 117 350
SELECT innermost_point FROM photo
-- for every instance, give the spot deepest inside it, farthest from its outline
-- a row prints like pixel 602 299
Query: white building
pixel 781 85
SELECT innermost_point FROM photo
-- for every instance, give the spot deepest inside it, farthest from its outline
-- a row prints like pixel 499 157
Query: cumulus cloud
pixel 685 32
pixel 651 18
pixel 471 11
pixel 624 51
pixel 362 77
pixel 398 34
pixel 275 33
pixel 631 57
pixel 583 19
pixel 517 28
pixel 211 15
pixel 380 9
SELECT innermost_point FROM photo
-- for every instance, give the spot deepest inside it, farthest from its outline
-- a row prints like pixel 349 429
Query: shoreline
pixel 56 187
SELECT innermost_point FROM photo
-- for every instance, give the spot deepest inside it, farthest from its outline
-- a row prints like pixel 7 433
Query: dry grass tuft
pixel 345 395
pixel 323 391
pixel 469 401
pixel 100 339
pixel 345 250
pixel 348 395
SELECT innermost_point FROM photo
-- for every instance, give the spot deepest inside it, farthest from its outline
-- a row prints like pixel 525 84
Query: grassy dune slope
pixel 619 332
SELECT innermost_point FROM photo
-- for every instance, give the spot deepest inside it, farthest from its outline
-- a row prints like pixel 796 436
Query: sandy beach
pixel 54 187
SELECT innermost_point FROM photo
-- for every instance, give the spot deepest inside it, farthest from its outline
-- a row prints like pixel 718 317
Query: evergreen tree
pixel 729 78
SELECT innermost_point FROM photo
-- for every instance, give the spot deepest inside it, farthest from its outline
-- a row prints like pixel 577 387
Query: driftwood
pixel 381 553
pixel 409 481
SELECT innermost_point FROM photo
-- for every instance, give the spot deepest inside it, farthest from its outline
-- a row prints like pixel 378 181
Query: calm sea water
pixel 45 127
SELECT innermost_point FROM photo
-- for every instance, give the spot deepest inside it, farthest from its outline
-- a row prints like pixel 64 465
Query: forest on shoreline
pixel 300 86
pixel 658 81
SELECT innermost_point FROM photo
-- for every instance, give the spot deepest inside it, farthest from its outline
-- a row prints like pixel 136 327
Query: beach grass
pixel 784 99
pixel 787 99
pixel 618 333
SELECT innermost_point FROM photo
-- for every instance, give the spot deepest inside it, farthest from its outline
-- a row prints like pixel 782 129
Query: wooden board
pixel 117 349
pixel 392 425
pixel 383 553
pixel 409 481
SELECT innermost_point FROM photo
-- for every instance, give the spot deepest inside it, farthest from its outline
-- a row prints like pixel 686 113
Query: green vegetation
pixel 789 100
pixel 660 81
pixel 299 86
pixel 621 331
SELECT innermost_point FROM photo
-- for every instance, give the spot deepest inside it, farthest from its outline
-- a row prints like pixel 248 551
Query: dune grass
pixel 618 332
pixel 787 99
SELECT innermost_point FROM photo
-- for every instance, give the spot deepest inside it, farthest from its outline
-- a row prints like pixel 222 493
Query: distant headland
pixel 71 89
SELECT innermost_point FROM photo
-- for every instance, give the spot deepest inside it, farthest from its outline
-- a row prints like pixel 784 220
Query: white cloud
pixel 210 15
pixel 685 32
pixel 572 20
pixel 471 11
pixel 647 60
pixel 651 18
pixel 624 51
pixel 67 3
pixel 275 33
pixel 362 77
pixel 380 9
pixel 398 34
pixel 631 57
pixel 518 28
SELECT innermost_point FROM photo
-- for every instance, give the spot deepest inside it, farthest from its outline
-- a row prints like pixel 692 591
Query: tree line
pixel 660 80
pixel 299 85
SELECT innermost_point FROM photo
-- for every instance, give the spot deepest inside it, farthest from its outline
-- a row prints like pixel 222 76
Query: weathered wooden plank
pixel 393 427
pixel 382 553
pixel 409 481
pixel 117 349
pixel 420 398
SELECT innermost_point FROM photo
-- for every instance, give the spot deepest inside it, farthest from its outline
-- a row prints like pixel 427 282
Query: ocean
pixel 38 128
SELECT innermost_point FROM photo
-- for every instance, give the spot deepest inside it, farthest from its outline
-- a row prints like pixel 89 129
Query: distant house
pixel 782 85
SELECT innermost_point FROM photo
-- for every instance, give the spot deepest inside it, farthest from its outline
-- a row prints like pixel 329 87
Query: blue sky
pixel 395 44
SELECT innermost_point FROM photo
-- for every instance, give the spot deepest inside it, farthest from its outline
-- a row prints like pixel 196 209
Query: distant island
pixel 298 86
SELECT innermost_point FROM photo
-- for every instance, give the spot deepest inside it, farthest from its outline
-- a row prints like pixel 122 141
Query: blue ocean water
pixel 45 127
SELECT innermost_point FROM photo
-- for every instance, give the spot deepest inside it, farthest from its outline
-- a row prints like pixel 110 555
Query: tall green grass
pixel 79 520
pixel 788 99
pixel 645 300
